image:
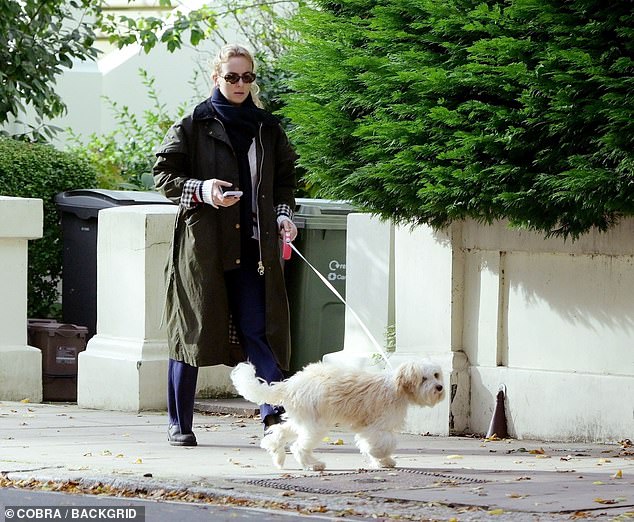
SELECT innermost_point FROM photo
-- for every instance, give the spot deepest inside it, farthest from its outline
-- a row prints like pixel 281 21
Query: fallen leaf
pixel 600 500
pixel 598 483
pixel 455 457
pixel 618 474
pixel 538 451
pixel 496 512
pixel 326 439
pixel 515 495
pixel 138 461
pixel 106 453
pixel 25 401
pixel 119 456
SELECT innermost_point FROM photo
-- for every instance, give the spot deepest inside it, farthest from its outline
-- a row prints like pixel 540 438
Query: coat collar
pixel 206 111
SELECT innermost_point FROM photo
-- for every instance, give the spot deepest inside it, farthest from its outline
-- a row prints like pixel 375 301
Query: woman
pixel 226 299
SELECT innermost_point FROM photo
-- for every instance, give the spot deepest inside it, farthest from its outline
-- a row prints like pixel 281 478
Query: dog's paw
pixel 278 459
pixel 268 443
pixel 386 462
pixel 277 453
pixel 317 466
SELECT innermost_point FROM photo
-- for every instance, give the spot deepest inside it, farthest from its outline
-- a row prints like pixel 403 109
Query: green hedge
pixel 428 112
pixel 40 171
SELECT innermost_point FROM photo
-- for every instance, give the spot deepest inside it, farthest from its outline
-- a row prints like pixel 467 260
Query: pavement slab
pixel 531 494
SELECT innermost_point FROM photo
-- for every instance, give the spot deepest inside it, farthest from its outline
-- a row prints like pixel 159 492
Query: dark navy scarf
pixel 241 123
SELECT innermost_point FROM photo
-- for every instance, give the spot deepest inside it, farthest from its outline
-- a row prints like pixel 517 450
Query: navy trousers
pixel 245 291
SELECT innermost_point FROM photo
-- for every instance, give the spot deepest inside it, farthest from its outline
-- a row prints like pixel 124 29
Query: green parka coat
pixel 206 240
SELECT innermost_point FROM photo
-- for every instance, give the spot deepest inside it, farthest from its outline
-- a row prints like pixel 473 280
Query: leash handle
pixel 354 314
pixel 286 246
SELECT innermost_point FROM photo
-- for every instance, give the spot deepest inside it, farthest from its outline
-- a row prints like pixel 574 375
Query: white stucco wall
pixel 86 88
pixel 550 320
pixel 115 76
pixel 21 220
pixel 124 366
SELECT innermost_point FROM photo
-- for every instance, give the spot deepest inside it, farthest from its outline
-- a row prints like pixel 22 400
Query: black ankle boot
pixel 176 438
pixel 271 419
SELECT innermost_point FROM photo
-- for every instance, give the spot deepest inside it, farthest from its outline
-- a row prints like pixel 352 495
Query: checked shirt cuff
pixel 283 211
pixel 192 193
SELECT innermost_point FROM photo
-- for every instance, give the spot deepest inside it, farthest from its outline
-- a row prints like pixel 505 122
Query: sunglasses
pixel 233 78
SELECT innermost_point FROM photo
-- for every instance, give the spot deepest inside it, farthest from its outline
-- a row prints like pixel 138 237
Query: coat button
pixel 237 225
pixel 237 261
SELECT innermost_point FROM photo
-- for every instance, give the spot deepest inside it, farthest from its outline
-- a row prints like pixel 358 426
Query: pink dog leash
pixel 380 349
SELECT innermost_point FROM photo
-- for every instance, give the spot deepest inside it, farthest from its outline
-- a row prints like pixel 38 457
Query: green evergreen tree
pixel 429 112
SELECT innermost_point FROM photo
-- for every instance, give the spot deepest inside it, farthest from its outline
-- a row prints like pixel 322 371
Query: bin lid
pixel 86 203
pixel 326 214
pixel 59 329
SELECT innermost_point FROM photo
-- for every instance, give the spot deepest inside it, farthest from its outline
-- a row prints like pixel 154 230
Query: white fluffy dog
pixel 372 405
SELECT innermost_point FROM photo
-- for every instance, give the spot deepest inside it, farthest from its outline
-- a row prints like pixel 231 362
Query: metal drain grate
pixel 365 480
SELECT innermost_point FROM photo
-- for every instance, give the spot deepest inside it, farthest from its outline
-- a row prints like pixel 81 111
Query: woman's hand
pixel 212 193
pixel 287 227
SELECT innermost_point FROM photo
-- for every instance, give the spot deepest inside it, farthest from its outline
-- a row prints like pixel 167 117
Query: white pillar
pixel 20 365
pixel 429 269
pixel 369 290
pixel 124 366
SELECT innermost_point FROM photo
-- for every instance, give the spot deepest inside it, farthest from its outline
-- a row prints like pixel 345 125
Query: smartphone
pixel 232 194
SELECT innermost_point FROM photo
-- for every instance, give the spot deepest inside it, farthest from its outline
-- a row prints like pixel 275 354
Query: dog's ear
pixel 409 378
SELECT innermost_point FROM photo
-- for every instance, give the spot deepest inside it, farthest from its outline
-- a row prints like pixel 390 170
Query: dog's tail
pixel 253 388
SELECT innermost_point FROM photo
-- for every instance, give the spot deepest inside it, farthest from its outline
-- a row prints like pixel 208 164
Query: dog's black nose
pixel 439 387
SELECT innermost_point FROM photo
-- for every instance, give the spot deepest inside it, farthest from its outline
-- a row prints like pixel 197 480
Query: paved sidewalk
pixel 439 478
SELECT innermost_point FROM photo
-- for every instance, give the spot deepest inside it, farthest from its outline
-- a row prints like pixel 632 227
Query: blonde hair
pixel 229 51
